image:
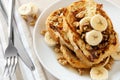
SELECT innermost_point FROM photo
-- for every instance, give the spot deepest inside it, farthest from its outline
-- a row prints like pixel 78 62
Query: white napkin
pixel 26 36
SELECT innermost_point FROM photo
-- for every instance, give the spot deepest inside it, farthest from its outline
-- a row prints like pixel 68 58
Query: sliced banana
pixel 49 40
pixel 93 37
pixel 84 21
pixel 24 9
pixel 99 73
pixel 98 22
pixel 116 55
pixel 28 9
pixel 34 8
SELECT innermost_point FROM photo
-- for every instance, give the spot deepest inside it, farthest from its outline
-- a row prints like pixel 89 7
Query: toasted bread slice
pixel 60 24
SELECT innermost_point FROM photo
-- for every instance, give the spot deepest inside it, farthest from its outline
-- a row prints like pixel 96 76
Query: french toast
pixel 85 34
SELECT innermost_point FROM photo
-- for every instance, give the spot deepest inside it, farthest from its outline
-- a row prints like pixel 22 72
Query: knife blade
pixel 21 50
pixel 22 53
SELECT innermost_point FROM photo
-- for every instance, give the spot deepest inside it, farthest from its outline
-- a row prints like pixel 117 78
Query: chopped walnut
pixel 76 24
pixel 108 66
pixel 105 37
pixel 30 19
pixel 83 71
pixel 78 31
pixel 102 45
pixel 80 14
pixel 43 32
pixel 32 23
pixel 62 60
pixel 60 20
pixel 24 17
pixel 55 24
pixel 88 47
pixel 57 50
pixel 113 39
pixel 35 16
pixel 83 36
pixel 54 18
pixel 61 14
pixel 85 28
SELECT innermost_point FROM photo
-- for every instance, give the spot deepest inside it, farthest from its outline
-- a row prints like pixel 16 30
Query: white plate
pixel 47 56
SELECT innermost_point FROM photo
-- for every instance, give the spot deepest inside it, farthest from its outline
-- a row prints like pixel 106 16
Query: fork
pixel 10 52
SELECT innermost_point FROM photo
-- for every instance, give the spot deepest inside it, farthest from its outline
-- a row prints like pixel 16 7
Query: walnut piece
pixel 76 24
pixel 83 71
pixel 108 66
pixel 43 32
pixel 62 60
pixel 80 14
pixel 57 50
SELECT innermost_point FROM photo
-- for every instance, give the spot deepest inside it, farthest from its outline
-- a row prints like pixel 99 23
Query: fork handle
pixel 10 18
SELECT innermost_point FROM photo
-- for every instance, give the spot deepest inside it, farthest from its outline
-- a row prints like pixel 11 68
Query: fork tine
pixel 5 73
pixel 14 65
pixel 11 64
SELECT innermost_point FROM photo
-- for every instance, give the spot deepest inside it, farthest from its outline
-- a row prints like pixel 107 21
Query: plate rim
pixel 37 22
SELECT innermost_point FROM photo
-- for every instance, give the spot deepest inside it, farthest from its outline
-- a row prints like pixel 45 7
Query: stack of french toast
pixel 85 36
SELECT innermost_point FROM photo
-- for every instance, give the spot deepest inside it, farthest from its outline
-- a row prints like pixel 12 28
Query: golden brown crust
pixel 72 59
pixel 63 27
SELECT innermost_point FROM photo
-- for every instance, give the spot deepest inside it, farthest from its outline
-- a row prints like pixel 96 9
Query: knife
pixel 22 53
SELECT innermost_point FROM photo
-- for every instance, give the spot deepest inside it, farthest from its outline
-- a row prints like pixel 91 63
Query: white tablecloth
pixel 23 73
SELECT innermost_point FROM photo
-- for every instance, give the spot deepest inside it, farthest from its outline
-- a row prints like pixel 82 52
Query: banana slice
pixel 93 37
pixel 24 9
pixel 34 8
pixel 99 73
pixel 84 21
pixel 98 22
pixel 28 9
pixel 49 40
pixel 116 55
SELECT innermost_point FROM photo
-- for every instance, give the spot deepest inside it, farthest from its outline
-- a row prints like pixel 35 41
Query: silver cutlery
pixel 22 53
pixel 10 52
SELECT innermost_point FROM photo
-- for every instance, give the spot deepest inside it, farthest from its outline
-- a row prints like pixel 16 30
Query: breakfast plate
pixel 47 55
